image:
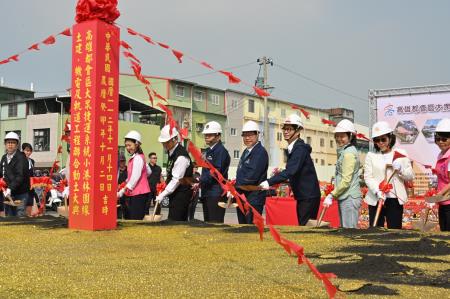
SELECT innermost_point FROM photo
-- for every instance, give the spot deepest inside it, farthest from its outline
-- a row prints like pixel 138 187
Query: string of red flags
pixel 50 40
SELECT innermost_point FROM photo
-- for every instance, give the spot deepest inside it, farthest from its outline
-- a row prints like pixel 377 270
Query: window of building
pixel 215 99
pixel 331 144
pixel 199 127
pixel 41 140
pixel 12 110
pixel 233 132
pixel 316 160
pixel 234 103
pixel 236 154
pixel 251 106
pixel 322 162
pixel 322 142
pixel 308 140
pixel 199 96
pixel 279 136
pixel 283 112
pixel 179 91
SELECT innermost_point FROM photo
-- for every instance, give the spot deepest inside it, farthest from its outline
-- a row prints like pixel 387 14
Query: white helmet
pixel 293 119
pixel 250 126
pixel 134 135
pixel 212 127
pixel 443 125
pixel 166 135
pixel 345 126
pixel 381 128
pixel 68 127
pixel 12 135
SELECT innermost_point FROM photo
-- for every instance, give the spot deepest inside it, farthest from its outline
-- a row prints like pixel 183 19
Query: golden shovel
pixel 154 217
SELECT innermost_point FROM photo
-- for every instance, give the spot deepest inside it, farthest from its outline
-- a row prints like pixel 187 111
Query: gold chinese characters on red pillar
pixel 94 114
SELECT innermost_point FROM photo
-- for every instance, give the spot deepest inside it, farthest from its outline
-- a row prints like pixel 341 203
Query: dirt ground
pixel 41 258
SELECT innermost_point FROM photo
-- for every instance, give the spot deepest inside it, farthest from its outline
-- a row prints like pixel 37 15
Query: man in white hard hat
pixel 179 173
pixel 252 170
pixel 299 171
pixel 218 156
pixel 442 168
pixel 14 170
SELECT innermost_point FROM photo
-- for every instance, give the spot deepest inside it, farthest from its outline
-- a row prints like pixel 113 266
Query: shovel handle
pixel 377 214
pixel 66 208
pixel 154 210
pixel 427 214
pixel 322 213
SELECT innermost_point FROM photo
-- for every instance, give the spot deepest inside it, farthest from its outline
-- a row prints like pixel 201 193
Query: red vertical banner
pixel 94 114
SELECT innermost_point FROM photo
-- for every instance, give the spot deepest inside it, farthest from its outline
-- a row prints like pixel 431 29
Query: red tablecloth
pixel 283 211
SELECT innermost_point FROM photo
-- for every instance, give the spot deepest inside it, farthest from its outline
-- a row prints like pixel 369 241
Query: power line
pixel 320 83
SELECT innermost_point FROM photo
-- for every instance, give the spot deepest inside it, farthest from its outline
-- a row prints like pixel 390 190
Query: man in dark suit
pixel 300 171
pixel 153 179
pixel 218 156
pixel 14 169
pixel 252 170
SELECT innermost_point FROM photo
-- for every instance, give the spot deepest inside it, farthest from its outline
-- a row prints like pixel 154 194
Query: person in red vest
pixel 442 140
pixel 136 189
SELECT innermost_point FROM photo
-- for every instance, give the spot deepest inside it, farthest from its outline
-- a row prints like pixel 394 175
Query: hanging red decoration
pixel 105 10
pixel 66 32
pixel 49 40
pixel 178 55
pixel 34 47
pixel 261 92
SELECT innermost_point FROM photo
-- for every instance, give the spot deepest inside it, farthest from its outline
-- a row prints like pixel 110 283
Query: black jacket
pixel 300 172
pixel 16 173
pixel 218 156
pixel 252 171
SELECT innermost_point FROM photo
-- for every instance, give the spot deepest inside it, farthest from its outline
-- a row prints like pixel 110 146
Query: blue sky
pixel 351 46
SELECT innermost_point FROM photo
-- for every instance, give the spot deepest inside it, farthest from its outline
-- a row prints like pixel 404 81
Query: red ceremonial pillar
pixel 94 114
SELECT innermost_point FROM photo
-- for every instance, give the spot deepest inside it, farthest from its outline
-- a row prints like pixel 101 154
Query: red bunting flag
pixel 178 55
pixel 34 47
pixel 150 96
pixel 125 45
pixel 49 40
pixel 4 61
pixel 66 32
pixel 148 39
pixel 197 155
pixel 303 111
pixel 207 65
pixel 131 31
pixel 59 149
pixel 163 45
pixel 261 92
pixel 231 78
pixel 328 122
pixel 130 55
pixel 159 96
pixel 14 57
pixel 184 132
pixel 397 155
pixel 362 136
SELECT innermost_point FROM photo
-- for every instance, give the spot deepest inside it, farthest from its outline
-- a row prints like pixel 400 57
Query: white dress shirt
pixel 179 169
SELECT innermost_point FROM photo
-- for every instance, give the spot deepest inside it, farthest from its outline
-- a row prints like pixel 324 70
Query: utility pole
pixel 264 61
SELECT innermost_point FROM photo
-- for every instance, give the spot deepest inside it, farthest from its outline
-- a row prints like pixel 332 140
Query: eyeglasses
pixel 381 139
pixel 440 139
pixel 154 158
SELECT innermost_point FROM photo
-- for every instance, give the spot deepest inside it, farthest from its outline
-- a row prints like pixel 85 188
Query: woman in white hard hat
pixel 442 140
pixel 379 166
pixel 252 170
pixel 299 171
pixel 347 190
pixel 14 170
pixel 136 189
pixel 179 175
pixel 218 156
